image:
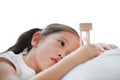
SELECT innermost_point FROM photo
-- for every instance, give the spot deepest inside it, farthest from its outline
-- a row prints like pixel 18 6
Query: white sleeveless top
pixel 23 71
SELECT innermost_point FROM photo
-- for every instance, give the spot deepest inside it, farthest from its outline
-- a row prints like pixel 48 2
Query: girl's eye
pixel 62 43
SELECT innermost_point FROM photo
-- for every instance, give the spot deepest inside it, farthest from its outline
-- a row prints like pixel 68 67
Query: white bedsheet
pixel 104 67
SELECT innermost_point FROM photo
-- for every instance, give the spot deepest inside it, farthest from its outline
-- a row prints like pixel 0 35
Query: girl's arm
pixel 7 71
pixel 79 56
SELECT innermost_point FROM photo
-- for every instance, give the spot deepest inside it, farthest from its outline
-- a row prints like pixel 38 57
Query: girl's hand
pixel 90 51
pixel 103 46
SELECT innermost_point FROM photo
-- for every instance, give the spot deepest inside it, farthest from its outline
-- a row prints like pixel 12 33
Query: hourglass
pixel 85 27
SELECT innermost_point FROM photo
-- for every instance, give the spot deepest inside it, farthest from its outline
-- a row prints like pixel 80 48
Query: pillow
pixel 104 67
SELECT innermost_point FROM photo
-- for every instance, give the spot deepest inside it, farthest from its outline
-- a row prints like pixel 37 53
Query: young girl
pixel 40 54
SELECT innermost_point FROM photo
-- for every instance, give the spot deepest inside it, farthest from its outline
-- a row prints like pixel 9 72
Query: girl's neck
pixel 30 61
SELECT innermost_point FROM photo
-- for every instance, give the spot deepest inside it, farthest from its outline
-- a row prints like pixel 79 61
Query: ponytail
pixel 24 41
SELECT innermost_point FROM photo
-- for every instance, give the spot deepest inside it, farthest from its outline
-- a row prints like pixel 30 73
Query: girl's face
pixel 53 48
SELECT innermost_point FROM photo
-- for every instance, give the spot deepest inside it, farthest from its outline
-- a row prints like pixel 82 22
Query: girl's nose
pixel 60 55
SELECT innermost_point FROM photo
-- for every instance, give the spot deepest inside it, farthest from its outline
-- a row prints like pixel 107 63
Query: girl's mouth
pixel 55 60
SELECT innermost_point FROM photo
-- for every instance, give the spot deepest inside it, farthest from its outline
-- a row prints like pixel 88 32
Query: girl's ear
pixel 35 39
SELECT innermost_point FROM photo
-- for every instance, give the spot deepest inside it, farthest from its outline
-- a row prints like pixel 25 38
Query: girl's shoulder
pixel 23 71
pixel 10 56
pixel 5 57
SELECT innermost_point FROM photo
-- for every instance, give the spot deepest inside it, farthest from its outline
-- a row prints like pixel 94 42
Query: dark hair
pixel 54 28
pixel 24 41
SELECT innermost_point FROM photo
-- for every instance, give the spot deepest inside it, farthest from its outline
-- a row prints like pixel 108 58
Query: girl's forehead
pixel 69 37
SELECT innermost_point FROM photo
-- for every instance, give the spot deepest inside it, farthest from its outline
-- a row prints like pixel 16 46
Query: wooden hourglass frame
pixel 85 27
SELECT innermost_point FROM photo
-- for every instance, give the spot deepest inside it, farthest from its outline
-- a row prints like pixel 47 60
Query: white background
pixel 17 16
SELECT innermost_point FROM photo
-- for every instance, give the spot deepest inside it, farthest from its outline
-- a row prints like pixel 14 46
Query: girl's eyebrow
pixel 65 39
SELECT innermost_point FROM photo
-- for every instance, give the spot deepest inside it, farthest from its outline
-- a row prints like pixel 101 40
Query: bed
pixel 104 67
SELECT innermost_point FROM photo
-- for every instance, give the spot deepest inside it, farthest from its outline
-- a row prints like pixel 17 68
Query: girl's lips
pixel 55 60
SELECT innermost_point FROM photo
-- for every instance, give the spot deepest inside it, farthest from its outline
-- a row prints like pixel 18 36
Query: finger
pixel 113 46
pixel 100 47
pixel 107 47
